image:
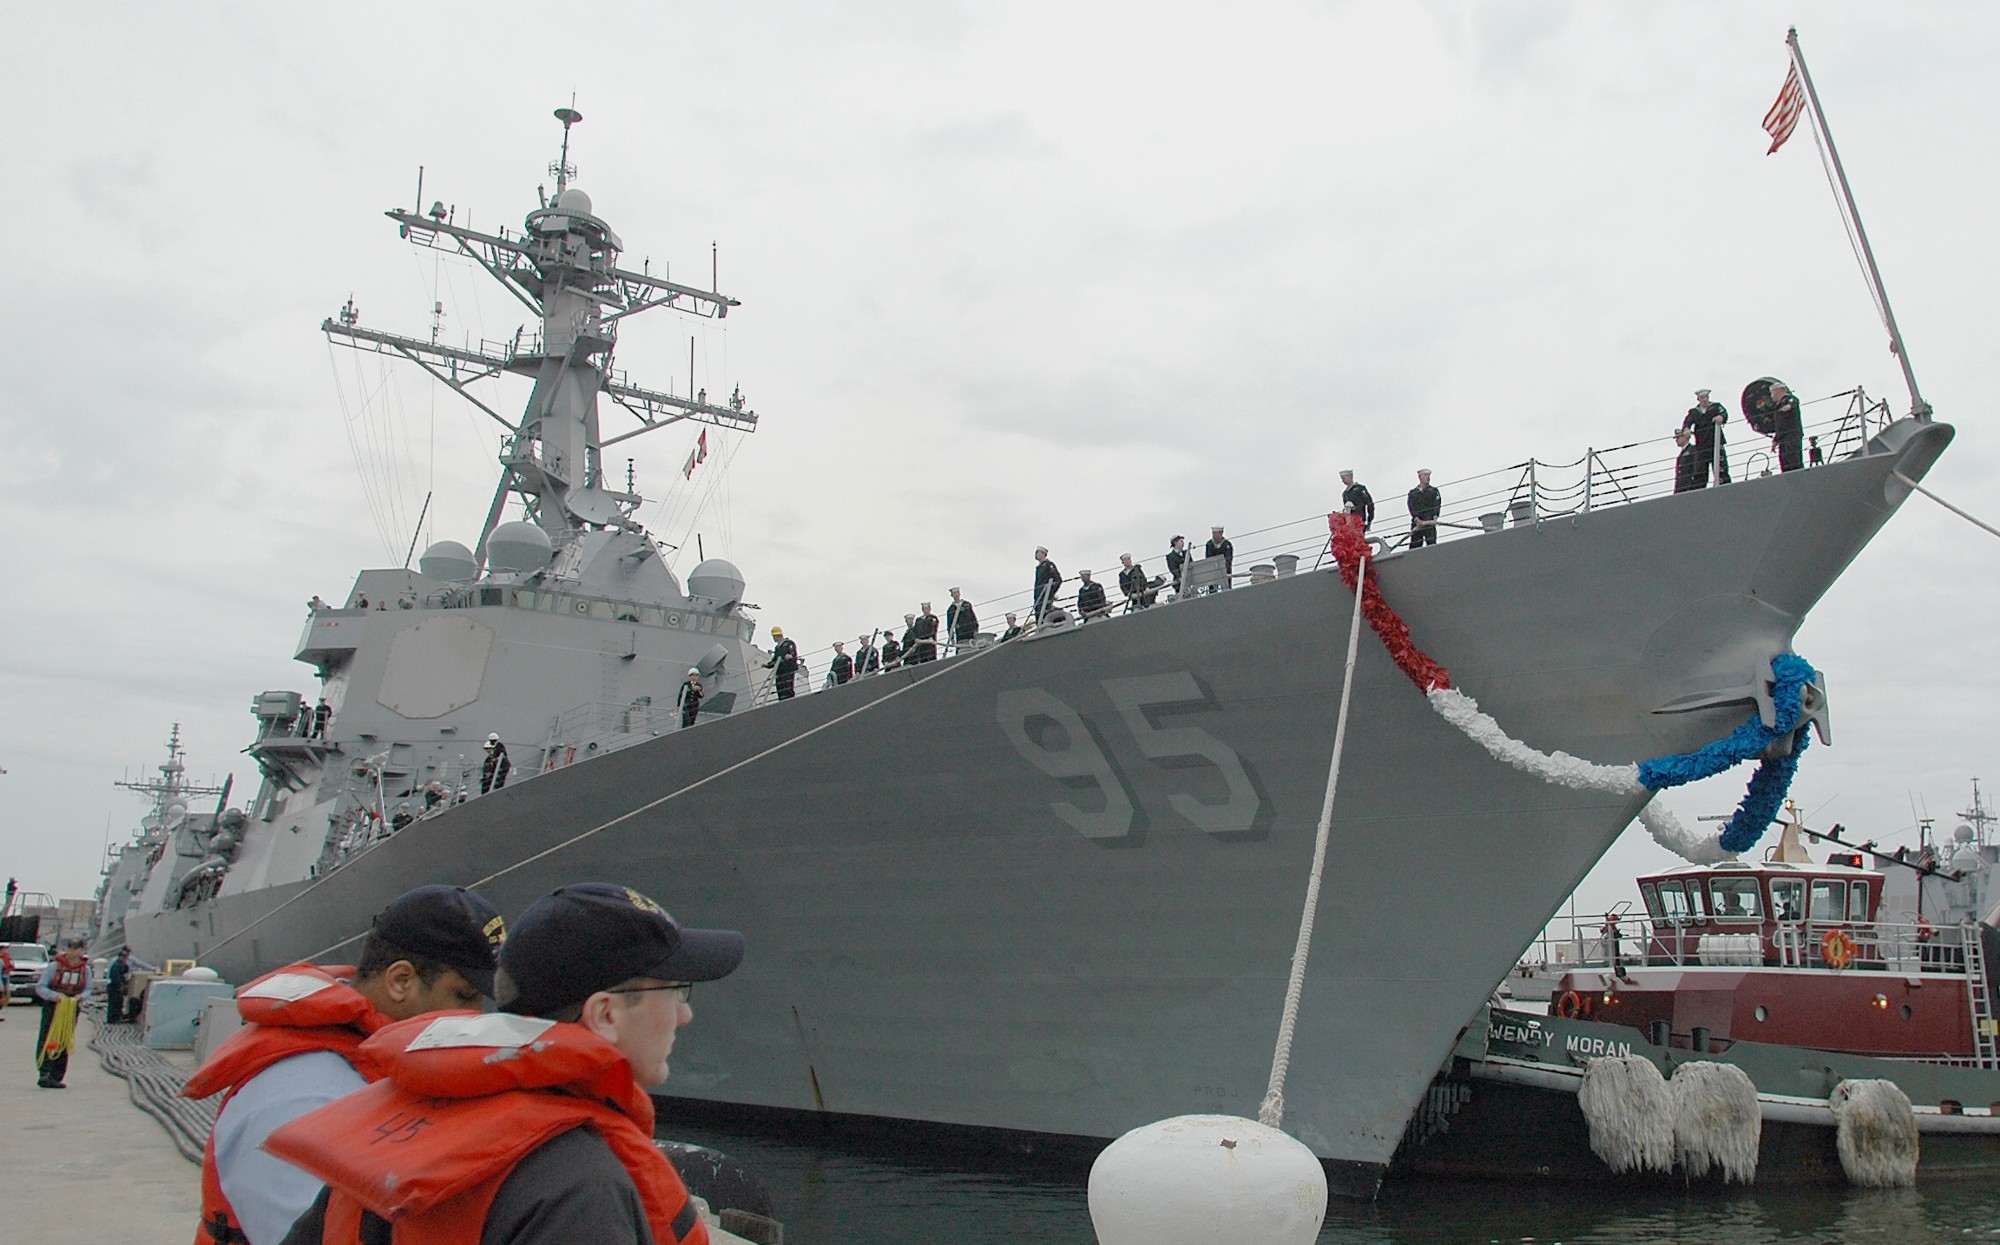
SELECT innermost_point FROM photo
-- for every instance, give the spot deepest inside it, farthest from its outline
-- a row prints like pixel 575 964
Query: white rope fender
pixel 1575 773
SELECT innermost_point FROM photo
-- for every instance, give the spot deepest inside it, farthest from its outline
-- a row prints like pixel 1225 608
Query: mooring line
pixel 1271 1112
pixel 1947 505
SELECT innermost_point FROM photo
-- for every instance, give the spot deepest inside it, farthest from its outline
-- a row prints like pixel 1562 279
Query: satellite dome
pixel 718 580
pixel 521 548
pixel 573 200
pixel 201 972
pixel 447 560
pixel 1963 834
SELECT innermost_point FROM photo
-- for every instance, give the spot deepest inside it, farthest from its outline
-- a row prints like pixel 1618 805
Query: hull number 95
pixel 1054 738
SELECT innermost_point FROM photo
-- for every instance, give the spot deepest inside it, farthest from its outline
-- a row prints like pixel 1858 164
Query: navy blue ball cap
pixel 590 936
pixel 449 924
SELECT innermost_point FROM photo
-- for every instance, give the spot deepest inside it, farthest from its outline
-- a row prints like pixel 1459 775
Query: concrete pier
pixel 83 1163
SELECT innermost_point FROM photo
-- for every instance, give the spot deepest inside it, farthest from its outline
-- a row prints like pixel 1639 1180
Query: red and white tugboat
pixel 1866 966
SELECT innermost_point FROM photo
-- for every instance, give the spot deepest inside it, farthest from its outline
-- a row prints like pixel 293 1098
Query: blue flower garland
pixel 1766 793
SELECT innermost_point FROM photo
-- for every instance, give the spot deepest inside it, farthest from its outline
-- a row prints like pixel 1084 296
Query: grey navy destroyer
pixel 1067 907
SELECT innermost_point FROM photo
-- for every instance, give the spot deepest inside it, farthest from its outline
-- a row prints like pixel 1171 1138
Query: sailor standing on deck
pixel 1787 429
pixel 494 770
pixel 840 667
pixel 1218 546
pixel 1704 421
pixel 1048 582
pixel 960 621
pixel 1356 499
pixel 920 644
pixel 1177 556
pixel 430 949
pixel 1426 503
pixel 867 658
pixel 690 697
pixel 531 1126
pixel 784 660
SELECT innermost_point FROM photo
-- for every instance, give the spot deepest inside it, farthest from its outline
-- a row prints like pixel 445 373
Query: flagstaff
pixel 1919 409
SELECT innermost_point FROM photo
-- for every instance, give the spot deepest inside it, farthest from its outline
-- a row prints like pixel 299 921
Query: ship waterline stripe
pixel 647 807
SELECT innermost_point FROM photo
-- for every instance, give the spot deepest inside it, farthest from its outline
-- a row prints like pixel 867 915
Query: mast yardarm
pixel 563 267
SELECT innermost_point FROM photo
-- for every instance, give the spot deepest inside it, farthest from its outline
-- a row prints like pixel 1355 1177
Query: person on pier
pixel 431 949
pixel 532 1125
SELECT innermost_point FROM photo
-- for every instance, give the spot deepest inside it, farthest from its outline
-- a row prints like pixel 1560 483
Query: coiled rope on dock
pixel 155 1087
pixel 1791 674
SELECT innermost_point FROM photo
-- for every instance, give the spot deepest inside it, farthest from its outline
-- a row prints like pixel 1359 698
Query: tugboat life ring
pixel 1838 949
pixel 1924 930
pixel 1571 1006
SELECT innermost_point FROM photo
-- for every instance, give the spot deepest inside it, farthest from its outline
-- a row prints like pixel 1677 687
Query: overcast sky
pixel 1082 274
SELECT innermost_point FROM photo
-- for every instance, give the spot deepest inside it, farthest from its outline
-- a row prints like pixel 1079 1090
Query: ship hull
pixel 1054 887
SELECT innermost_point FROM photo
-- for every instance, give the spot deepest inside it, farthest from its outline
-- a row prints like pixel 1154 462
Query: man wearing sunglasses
pixel 530 1125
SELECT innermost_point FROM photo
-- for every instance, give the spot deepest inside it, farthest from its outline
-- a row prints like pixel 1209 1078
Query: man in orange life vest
pixel 529 1126
pixel 430 949
pixel 62 983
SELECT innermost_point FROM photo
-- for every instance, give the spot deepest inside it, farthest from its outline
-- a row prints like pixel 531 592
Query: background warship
pixel 1049 885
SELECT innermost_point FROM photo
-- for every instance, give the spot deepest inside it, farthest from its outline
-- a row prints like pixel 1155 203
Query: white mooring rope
pixel 1271 1112
pixel 1988 527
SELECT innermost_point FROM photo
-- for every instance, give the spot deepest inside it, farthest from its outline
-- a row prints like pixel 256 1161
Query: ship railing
pixel 1519 494
pixel 597 726
pixel 1915 948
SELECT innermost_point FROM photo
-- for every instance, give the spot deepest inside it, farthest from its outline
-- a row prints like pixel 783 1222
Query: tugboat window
pixel 1788 898
pixel 1651 895
pixel 1673 903
pixel 1735 899
pixel 1857 902
pixel 1829 900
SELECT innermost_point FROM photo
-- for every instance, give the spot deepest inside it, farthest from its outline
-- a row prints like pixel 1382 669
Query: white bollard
pixel 1207 1180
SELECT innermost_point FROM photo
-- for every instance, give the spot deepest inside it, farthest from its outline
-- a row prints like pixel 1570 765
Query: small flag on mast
pixel 696 456
pixel 1784 115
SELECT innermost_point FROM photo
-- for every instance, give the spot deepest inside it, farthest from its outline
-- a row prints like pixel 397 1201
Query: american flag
pixel 1784 115
pixel 696 456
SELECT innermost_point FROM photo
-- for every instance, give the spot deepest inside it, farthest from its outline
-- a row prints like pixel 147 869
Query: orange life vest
pixel 467 1097
pixel 71 969
pixel 293 1011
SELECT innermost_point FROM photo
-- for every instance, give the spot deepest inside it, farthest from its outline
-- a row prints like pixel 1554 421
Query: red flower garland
pixel 1350 549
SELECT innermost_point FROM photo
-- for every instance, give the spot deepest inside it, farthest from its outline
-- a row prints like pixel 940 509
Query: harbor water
pixel 881 1193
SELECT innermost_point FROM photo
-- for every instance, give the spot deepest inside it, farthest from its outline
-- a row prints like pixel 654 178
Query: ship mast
pixel 172 785
pixel 563 267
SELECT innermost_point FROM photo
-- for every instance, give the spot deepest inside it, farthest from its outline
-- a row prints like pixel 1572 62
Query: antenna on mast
pixel 562 170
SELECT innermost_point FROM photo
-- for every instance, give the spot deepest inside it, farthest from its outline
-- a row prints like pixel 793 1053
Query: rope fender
pixel 1761 801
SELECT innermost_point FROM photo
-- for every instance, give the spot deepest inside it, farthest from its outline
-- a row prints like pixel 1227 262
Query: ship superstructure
pixel 176 835
pixel 1049 885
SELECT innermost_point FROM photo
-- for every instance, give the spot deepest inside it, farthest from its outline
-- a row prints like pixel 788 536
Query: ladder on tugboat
pixel 1985 1040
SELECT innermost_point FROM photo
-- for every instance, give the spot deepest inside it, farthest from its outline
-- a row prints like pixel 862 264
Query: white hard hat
pixel 694 670
pixel 493 738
